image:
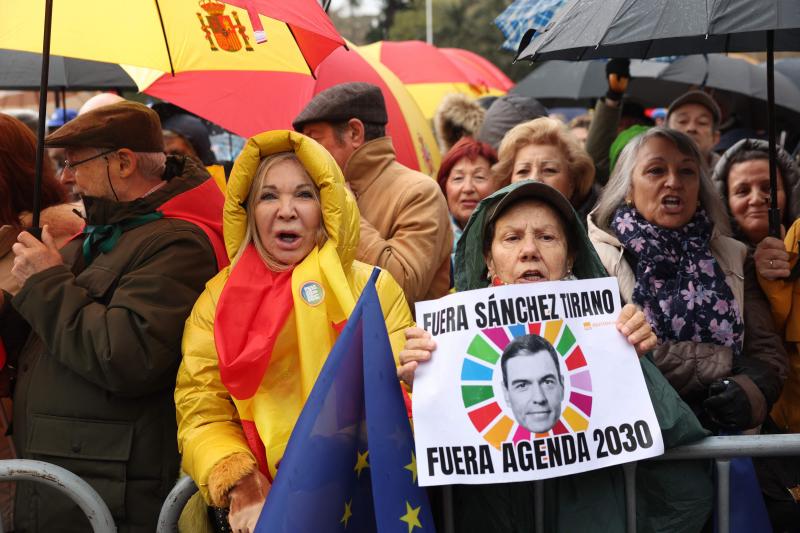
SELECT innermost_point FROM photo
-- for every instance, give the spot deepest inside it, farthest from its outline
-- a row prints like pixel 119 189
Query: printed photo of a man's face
pixel 532 382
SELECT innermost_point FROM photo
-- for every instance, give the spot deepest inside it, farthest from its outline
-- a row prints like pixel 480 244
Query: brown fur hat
pixel 457 116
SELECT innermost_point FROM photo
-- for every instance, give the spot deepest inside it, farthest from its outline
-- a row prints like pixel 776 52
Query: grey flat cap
pixel 700 98
pixel 363 101
pixel 505 113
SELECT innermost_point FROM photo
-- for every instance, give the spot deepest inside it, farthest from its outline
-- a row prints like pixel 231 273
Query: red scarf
pixel 251 313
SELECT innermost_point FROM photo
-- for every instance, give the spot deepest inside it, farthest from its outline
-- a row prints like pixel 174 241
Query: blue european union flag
pixel 350 463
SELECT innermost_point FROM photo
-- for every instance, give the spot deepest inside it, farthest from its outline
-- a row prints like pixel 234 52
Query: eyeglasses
pixel 71 166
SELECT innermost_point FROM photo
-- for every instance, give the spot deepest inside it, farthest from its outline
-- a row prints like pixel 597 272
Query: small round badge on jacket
pixel 312 293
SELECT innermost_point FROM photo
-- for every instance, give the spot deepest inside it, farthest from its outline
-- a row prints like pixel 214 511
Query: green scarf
pixel 102 238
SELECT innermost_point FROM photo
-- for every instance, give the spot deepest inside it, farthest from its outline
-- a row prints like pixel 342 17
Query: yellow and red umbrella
pixel 169 35
pixel 487 72
pixel 411 133
pixel 430 74
pixel 178 35
pixel 250 102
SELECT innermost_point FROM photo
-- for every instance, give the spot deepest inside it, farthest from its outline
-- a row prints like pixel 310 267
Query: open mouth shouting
pixel 288 240
pixel 532 276
pixel 672 204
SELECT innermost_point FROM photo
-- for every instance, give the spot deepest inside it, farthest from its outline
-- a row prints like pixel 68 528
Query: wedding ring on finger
pixel 771 263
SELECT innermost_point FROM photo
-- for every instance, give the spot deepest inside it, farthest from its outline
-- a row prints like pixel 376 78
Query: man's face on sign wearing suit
pixel 533 388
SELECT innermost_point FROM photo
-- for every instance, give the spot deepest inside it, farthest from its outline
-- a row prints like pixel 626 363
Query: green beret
pixel 622 140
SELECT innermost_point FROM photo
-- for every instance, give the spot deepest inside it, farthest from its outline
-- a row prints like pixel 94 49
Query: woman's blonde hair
pixel 547 132
pixel 251 234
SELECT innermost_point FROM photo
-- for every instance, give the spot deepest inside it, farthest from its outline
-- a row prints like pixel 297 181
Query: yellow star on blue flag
pixel 361 462
pixel 347 513
pixel 412 467
pixel 411 517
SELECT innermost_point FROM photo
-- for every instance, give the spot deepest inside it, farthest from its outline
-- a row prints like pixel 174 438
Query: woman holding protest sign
pixel 525 238
pixel 528 232
pixel 260 333
pixel 662 230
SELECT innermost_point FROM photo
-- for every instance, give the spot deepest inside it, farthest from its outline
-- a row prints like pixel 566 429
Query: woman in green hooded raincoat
pixel 528 232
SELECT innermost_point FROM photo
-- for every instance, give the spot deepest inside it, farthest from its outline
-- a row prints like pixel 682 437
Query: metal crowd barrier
pixel 720 449
pixel 65 481
pixel 174 504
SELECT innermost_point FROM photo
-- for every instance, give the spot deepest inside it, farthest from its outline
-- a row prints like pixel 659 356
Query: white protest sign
pixel 573 397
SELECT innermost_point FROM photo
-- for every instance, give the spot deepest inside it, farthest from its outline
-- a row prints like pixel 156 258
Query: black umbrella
pixel 586 29
pixel 657 83
pixel 18 70
pixel 789 67
pixel 563 83
pixel 715 71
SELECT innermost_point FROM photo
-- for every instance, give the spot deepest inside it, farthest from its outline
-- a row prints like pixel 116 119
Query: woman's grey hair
pixel 619 184
pixel 151 164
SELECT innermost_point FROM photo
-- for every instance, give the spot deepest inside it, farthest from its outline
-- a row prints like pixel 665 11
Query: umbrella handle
pixel 774 212
pixel 35 231
pixel 37 180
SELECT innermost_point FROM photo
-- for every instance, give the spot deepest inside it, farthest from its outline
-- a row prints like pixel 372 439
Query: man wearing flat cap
pixel 95 332
pixel 696 114
pixel 405 224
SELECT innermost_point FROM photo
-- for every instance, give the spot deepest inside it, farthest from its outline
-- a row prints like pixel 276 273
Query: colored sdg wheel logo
pixel 484 393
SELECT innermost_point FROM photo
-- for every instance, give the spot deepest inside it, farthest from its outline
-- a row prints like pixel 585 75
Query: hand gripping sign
pixel 529 381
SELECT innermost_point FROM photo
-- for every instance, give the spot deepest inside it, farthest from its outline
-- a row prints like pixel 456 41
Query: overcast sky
pixel 371 7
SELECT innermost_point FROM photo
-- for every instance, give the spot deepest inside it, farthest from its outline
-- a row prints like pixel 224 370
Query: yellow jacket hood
pixel 339 210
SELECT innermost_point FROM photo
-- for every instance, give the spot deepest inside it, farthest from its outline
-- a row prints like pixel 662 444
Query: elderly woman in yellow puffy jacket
pixel 260 333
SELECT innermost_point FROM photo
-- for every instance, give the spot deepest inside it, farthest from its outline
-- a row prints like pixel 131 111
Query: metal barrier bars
pixel 174 504
pixel 720 449
pixel 65 481
pixel 629 470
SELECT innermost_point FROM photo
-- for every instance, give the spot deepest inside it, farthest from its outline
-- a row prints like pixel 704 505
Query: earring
pixel 628 202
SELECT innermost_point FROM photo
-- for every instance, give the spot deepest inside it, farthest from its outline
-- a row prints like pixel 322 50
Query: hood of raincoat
pixel 339 210
pixel 470 265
